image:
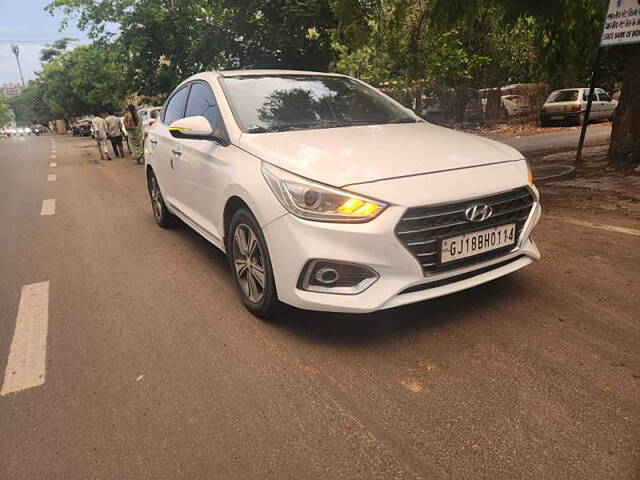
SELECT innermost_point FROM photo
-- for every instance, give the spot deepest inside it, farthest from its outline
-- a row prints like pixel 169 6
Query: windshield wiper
pixel 260 129
pixel 292 126
pixel 402 120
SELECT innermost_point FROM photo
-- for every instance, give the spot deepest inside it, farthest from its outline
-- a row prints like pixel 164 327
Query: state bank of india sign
pixel 622 25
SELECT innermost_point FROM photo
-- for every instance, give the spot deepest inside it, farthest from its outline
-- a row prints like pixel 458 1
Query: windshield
pixel 563 96
pixel 276 103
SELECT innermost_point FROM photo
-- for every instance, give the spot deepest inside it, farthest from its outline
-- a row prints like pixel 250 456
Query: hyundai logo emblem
pixel 478 213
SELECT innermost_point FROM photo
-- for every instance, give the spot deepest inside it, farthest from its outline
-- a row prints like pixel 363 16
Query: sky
pixel 25 23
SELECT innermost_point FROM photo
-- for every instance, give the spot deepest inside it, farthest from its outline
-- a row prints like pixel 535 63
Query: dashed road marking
pixel 48 207
pixel 27 354
pixel 601 226
pixel 51 178
pixel 53 164
pixel 53 156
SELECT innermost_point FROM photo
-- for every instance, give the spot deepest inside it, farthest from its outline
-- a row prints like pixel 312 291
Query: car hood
pixel 363 154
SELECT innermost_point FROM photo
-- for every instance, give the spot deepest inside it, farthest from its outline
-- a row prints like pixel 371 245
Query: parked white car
pixel 571 105
pixel 328 195
pixel 148 116
pixel 514 105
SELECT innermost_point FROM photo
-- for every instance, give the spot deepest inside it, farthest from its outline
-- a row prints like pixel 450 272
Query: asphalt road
pixel 154 370
pixel 566 139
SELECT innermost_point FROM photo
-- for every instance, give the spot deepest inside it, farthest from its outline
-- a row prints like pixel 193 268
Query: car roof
pixel 570 89
pixel 245 73
pixel 211 76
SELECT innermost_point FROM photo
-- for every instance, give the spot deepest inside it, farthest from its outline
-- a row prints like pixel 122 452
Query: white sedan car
pixel 327 195
pixel 148 116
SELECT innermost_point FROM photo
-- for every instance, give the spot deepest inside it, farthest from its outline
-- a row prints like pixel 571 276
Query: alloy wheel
pixel 248 260
pixel 156 199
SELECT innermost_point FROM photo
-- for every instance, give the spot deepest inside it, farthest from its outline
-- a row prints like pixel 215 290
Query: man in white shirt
pixel 115 134
pixel 100 133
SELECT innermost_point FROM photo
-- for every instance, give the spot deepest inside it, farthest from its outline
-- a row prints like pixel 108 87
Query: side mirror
pixel 191 127
pixel 195 128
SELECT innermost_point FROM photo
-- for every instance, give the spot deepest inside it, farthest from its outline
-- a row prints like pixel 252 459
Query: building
pixel 11 90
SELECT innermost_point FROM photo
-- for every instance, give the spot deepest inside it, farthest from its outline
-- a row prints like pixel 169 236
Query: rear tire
pixel 164 218
pixel 251 265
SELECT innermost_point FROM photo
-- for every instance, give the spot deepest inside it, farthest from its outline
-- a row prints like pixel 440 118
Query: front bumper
pixel 293 242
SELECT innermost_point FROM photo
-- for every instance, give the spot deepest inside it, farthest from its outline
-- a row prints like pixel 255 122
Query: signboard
pixel 622 25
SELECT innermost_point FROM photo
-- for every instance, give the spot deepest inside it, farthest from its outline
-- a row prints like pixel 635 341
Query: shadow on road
pixel 384 326
pixel 391 325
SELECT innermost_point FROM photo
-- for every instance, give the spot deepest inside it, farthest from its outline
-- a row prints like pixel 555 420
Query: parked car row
pixel 21 131
pixel 328 195
pixel 527 101
pixel 81 129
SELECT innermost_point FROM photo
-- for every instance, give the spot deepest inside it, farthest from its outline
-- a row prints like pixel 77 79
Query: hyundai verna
pixel 328 195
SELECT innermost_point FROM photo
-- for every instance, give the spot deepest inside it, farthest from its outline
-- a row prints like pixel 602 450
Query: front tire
pixel 251 265
pixel 161 213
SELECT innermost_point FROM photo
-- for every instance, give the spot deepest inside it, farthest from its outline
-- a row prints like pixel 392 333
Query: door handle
pixel 177 153
pixel 153 142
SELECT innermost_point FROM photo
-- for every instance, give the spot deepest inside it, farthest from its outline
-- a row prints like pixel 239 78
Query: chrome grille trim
pixel 458 211
pixel 421 229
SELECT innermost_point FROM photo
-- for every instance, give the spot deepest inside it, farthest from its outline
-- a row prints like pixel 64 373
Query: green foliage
pixel 4 111
pixel 161 42
pixel 84 80
pixel 448 48
pixel 55 49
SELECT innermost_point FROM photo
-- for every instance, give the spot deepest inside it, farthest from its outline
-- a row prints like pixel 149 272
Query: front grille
pixel 422 229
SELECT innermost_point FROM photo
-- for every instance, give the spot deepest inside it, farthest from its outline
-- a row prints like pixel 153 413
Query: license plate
pixel 557 117
pixel 463 246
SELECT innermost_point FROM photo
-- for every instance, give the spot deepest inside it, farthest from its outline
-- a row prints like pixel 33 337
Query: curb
pixel 550 173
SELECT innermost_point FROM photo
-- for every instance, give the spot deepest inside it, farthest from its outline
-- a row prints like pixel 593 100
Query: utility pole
pixel 16 52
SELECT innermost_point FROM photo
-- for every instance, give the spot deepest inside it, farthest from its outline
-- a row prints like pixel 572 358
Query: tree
pixel 84 80
pixel 55 49
pixel 161 42
pixel 4 111
pixel 624 151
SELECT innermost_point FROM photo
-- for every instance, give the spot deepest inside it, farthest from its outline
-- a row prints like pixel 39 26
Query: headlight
pixel 314 201
pixel 529 172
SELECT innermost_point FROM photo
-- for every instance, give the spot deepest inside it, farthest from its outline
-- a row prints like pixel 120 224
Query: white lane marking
pixel 53 151
pixel 51 178
pixel 53 156
pixel 600 226
pixel 27 354
pixel 53 164
pixel 48 207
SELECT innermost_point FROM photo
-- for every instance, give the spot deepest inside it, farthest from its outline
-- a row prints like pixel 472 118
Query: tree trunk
pixel 624 151
pixel 493 112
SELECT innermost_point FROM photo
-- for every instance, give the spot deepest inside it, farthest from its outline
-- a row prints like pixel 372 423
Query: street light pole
pixel 16 52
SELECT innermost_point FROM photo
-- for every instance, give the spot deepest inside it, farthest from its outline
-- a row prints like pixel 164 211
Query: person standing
pixel 100 134
pixel 124 133
pixel 115 134
pixel 132 124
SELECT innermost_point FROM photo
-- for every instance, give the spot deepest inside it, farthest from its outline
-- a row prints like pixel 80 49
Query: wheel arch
pixel 233 204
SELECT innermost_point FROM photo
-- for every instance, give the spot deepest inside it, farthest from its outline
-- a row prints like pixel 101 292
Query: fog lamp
pixel 341 278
